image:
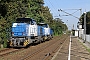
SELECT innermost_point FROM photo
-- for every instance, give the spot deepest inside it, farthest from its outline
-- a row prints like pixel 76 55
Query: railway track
pixel 3 50
pixel 37 50
pixel 8 51
pixel 51 53
pixel 55 48
pixel 42 50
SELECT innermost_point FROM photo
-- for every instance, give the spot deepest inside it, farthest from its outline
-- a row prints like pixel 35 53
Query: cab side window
pixel 33 22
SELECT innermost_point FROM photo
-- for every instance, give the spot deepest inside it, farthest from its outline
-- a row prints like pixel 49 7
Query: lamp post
pixel 84 27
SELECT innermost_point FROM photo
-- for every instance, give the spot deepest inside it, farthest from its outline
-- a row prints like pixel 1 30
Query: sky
pixel 70 6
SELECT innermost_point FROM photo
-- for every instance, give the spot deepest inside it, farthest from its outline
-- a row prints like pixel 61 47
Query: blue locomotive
pixel 26 31
pixel 48 32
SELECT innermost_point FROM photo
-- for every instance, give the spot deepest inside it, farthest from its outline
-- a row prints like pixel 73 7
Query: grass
pixel 88 50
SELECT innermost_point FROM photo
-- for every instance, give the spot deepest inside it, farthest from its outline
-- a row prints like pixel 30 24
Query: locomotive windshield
pixel 44 25
pixel 24 20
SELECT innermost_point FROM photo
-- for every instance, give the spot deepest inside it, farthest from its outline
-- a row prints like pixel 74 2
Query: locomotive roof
pixel 42 24
pixel 24 19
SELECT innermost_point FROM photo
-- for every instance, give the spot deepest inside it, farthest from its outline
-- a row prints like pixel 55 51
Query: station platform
pixel 73 49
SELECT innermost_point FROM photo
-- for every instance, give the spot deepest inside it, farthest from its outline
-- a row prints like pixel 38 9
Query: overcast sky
pixel 69 6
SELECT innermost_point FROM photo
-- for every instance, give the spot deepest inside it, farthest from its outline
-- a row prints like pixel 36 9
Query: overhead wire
pixel 53 8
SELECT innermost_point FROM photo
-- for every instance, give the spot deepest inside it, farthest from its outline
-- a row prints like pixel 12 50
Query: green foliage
pixel 10 10
pixel 58 26
pixel 87 22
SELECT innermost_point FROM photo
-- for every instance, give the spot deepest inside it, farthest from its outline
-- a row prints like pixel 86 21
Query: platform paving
pixel 78 50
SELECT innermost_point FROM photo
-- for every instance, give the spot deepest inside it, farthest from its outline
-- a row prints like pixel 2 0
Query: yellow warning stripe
pixel 45 37
pixel 26 42
pixel 11 43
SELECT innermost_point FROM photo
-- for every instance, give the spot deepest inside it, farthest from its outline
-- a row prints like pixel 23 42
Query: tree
pixel 10 10
pixel 87 21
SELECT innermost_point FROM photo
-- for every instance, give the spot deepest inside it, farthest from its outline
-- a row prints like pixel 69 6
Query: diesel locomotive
pixel 26 31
